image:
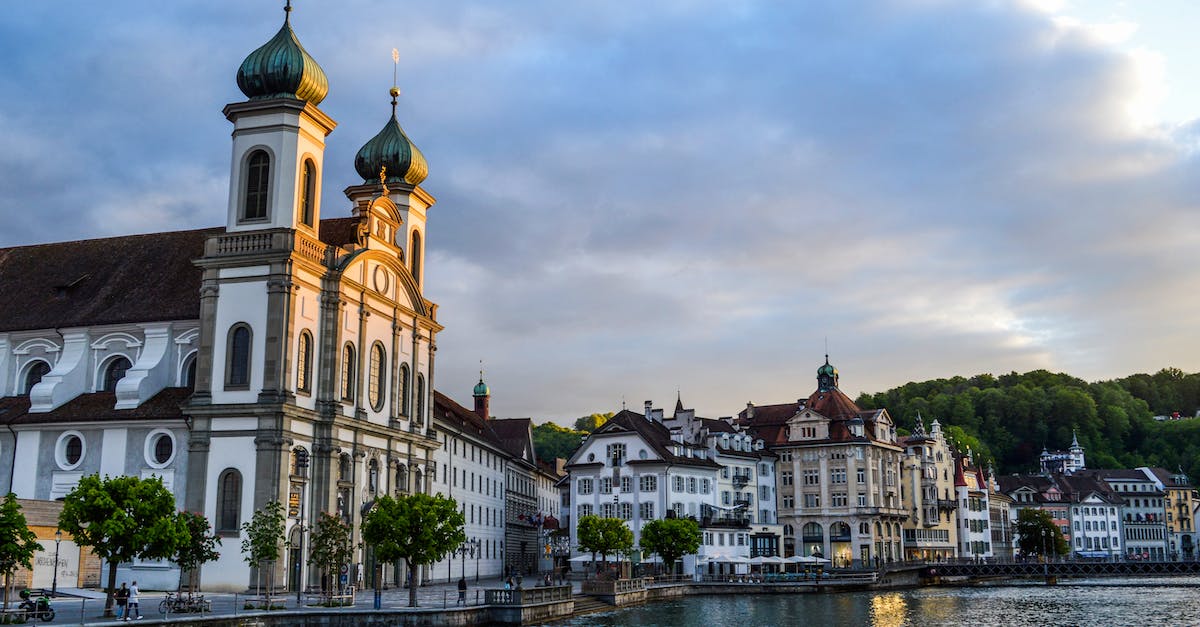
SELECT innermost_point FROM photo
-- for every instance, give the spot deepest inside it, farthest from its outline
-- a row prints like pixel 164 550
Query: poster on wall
pixel 68 565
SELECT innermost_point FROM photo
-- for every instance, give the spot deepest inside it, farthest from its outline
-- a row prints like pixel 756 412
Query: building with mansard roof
pixel 840 473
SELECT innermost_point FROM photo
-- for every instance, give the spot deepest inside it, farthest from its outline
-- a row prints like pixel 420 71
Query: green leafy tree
pixel 18 543
pixel 122 519
pixel 1038 534
pixel 199 548
pixel 418 528
pixel 263 541
pixel 590 423
pixel 604 536
pixel 671 539
pixel 331 545
pixel 552 440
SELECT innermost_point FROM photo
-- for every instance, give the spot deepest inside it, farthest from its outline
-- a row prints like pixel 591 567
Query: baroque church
pixel 287 355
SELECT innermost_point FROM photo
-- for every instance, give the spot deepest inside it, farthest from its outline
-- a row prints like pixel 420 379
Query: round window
pixel 160 448
pixel 591 457
pixel 642 454
pixel 68 452
pixel 163 448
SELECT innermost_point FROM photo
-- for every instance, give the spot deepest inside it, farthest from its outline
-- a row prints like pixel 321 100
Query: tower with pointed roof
pixel 483 397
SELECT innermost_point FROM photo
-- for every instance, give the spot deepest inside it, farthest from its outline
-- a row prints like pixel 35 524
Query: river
pixel 1102 602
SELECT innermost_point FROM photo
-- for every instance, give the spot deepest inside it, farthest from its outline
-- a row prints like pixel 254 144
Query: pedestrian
pixel 462 591
pixel 132 608
pixel 122 596
pixel 508 584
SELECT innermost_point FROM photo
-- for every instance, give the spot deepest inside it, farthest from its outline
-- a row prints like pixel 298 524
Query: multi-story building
pixel 973 511
pixel 745 488
pixel 845 463
pixel 1085 509
pixel 633 468
pixel 1065 462
pixel 1000 509
pixel 1180 502
pixel 470 467
pixel 929 494
pixel 1143 514
pixel 523 524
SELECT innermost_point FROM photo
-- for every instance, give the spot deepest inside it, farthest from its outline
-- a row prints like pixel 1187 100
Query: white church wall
pixel 241 302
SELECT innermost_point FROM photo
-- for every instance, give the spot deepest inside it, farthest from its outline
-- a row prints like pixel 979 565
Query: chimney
pixel 649 411
pixel 749 410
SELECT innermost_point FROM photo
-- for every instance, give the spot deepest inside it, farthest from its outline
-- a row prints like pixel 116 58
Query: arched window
pixel 345 468
pixel 375 382
pixel 304 362
pixel 373 476
pixel 299 462
pixel 237 368
pixel 308 192
pixel 258 177
pixel 33 376
pixel 404 381
pixel 229 500
pixel 115 371
pixel 188 380
pixel 416 256
pixel 349 372
pixel 420 416
pixel 402 477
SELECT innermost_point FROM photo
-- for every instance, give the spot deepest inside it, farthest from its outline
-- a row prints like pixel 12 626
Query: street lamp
pixel 302 471
pixel 57 541
pixel 476 552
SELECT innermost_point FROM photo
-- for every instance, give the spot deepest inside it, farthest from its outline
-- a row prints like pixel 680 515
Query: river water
pixel 1139 602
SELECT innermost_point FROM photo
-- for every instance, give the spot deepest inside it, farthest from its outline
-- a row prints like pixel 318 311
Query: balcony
pixel 725 522
pixel 740 481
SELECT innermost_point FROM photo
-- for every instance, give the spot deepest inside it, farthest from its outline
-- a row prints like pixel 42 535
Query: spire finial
pixel 481 371
pixel 287 12
pixel 395 90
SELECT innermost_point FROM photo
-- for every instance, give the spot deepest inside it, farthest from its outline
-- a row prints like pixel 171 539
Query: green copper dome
pixel 281 68
pixel 391 149
pixel 827 370
pixel 481 388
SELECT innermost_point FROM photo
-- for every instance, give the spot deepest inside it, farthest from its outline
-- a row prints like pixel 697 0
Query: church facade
pixel 284 356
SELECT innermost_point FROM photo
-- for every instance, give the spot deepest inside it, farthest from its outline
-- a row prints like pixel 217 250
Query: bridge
pixel 981 570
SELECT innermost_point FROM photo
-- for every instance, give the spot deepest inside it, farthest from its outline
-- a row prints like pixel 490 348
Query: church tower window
pixel 258 176
pixel 349 372
pixel 237 370
pixel 375 383
pixel 308 192
pixel 33 376
pixel 115 371
pixel 229 497
pixel 416 256
pixel 304 363
pixel 189 373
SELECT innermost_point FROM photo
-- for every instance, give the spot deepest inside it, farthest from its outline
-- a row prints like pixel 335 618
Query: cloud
pixel 685 195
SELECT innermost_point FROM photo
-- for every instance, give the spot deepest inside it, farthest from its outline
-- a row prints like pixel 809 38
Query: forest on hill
pixel 1009 419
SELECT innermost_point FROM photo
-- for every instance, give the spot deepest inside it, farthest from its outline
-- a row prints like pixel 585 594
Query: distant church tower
pixel 483 397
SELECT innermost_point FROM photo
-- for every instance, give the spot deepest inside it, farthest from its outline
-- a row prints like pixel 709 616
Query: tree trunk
pixel 412 584
pixel 112 584
pixel 6 584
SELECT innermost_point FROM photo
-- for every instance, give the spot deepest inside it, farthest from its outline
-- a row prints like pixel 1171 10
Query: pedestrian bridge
pixel 1068 568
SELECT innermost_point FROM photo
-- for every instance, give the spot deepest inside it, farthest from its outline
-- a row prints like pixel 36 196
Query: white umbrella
pixel 798 559
pixel 581 558
pixel 772 559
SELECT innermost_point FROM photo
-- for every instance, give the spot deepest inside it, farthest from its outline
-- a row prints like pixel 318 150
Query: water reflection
pixel 889 610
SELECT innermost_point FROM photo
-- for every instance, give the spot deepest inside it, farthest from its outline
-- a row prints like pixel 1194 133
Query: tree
pixel 122 519
pixel 264 536
pixel 552 440
pixel 604 536
pixel 331 545
pixel 1038 534
pixel 671 539
pixel 199 548
pixel 18 543
pixel 418 528
pixel 590 423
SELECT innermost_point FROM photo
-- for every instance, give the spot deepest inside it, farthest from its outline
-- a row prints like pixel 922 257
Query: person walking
pixel 122 596
pixel 132 607
pixel 462 591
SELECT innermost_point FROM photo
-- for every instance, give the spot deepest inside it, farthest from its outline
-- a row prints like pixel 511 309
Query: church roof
pixel 114 280
pixel 97 407
pixel 464 420
pixel 282 68
pixel 516 436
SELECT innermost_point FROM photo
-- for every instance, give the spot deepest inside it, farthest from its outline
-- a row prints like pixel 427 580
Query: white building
pixel 974 511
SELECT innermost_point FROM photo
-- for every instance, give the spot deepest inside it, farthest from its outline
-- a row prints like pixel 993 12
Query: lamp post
pixel 476 552
pixel 302 471
pixel 57 541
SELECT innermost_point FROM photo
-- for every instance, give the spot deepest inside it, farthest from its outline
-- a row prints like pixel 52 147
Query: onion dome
pixel 481 388
pixel 393 150
pixel 827 376
pixel 281 68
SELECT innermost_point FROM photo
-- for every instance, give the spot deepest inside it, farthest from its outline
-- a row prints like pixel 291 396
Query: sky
pixel 644 199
